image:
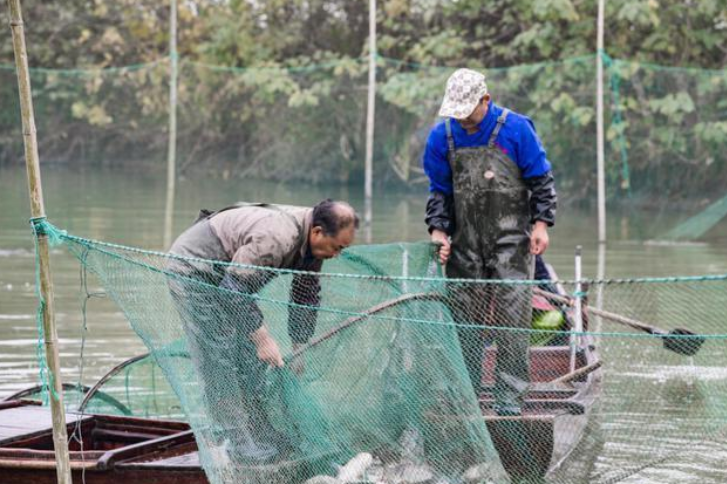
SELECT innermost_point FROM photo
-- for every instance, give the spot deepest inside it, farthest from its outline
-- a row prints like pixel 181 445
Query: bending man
pixel 229 343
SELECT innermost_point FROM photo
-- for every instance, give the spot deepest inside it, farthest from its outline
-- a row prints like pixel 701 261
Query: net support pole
pixel 172 150
pixel 369 164
pixel 575 338
pixel 37 210
pixel 601 275
pixel 601 164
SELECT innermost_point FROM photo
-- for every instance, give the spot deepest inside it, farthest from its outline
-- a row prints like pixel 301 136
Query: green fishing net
pixel 411 377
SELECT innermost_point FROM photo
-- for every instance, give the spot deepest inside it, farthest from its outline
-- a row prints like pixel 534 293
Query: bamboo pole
pixel 37 210
pixel 601 163
pixel 419 296
pixel 369 170
pixel 582 371
pixel 600 275
pixel 575 338
pixel 172 151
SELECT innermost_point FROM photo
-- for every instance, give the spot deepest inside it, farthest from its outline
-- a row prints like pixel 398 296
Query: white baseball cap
pixel 465 88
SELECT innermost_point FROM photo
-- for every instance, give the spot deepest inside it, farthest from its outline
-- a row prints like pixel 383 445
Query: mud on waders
pixel 491 241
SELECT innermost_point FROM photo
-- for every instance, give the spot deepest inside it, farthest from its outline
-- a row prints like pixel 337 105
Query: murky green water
pixel 128 208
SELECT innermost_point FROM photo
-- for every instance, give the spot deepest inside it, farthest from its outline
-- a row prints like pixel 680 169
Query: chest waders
pixel 491 241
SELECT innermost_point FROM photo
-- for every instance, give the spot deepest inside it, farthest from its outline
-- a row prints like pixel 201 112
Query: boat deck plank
pixel 28 421
pixel 189 459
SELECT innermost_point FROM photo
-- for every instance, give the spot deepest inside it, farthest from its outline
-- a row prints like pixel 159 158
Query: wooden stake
pixel 600 143
pixel 584 370
pixel 369 166
pixel 37 210
pixel 419 296
pixel 172 152
pixel 575 338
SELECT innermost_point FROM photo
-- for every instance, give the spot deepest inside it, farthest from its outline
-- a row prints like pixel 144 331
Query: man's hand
pixel 445 249
pixel 539 239
pixel 297 364
pixel 266 347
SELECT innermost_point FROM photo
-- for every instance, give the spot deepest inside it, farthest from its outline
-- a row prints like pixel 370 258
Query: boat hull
pixel 555 417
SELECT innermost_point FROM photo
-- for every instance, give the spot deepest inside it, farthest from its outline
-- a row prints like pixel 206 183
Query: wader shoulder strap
pixel 498 126
pixel 450 140
pixel 205 214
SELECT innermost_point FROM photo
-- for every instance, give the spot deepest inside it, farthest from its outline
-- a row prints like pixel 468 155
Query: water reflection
pixel 128 208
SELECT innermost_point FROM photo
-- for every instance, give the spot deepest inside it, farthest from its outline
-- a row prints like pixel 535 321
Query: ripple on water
pixel 16 317
pixel 16 253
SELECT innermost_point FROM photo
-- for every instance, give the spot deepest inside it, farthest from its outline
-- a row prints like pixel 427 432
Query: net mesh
pixel 411 377
pixel 309 123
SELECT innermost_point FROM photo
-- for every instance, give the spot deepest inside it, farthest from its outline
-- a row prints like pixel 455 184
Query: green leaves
pixel 674 104
pixel 291 99
pixel 95 115
pixel 555 10
pixel 643 12
pixel 714 132
pixel 440 46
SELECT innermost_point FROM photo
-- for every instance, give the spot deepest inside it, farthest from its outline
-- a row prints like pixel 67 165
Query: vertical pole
pixel 405 269
pixel 172 151
pixel 369 167
pixel 599 129
pixel 601 275
pixel 37 210
pixel 407 353
pixel 577 309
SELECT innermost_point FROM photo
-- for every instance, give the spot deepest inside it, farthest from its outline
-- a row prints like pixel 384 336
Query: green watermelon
pixel 552 320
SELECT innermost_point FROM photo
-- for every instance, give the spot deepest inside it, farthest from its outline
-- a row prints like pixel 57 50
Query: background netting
pixel 386 373
pixel 665 126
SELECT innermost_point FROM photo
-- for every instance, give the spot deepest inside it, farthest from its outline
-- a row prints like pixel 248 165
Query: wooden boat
pixel 554 418
pixel 127 449
pixel 116 450
pixel 557 407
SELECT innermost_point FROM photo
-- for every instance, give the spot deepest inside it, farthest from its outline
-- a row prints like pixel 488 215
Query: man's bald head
pixel 333 216
pixel 333 228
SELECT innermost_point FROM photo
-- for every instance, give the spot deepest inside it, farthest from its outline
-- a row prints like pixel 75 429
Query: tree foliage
pixel 291 104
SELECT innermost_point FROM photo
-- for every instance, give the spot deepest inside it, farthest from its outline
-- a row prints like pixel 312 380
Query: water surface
pixel 128 208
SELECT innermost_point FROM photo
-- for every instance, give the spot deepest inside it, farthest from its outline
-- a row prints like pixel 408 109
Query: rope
pixel 63 235
pixel 47 382
pixel 92 71
pixel 533 65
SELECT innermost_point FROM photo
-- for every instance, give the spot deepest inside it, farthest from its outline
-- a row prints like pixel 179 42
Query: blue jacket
pixel 517 139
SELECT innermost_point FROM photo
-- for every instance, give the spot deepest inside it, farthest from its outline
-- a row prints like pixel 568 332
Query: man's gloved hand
pixel 266 347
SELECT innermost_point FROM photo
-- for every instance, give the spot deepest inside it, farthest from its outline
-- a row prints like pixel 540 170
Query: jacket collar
pixel 307 226
pixel 488 122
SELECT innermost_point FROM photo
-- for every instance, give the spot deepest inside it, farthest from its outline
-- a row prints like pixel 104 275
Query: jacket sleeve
pixel 243 283
pixel 239 299
pixel 440 213
pixel 305 293
pixel 543 198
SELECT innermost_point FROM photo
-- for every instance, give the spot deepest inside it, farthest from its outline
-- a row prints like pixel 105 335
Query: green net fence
pixel 412 377
pixel 309 123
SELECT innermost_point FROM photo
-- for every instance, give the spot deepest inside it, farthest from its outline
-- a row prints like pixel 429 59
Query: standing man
pixel 492 193
pixel 229 343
